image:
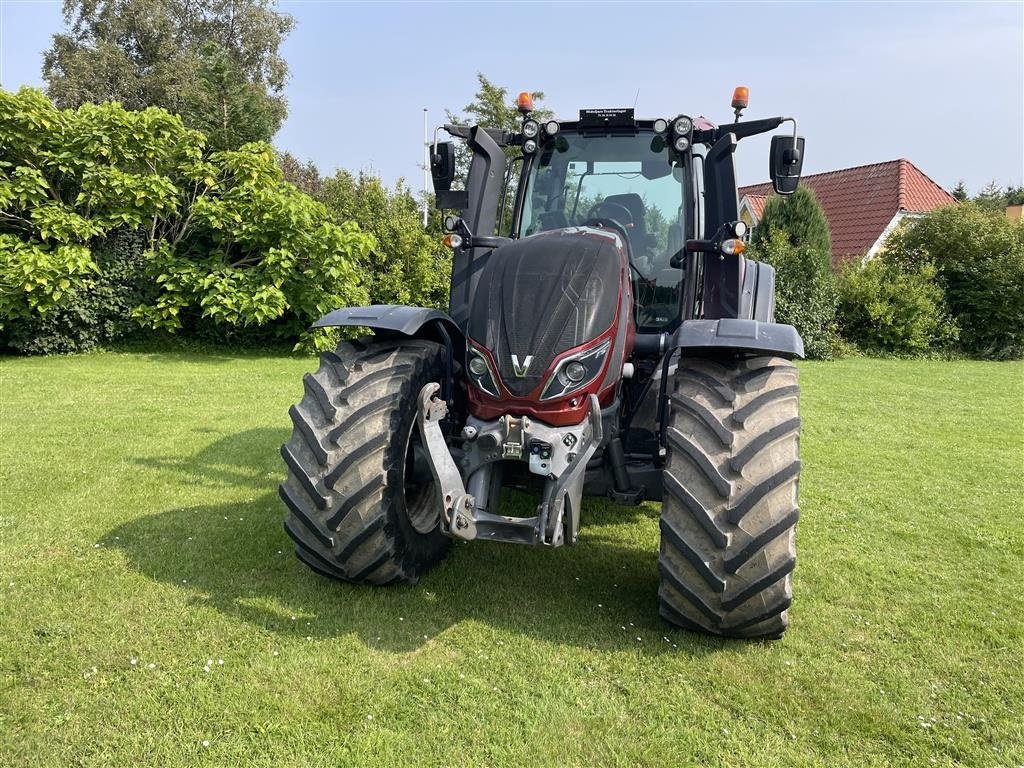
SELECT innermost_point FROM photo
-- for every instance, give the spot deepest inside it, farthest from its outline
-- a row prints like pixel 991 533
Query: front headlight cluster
pixel 570 375
pixel 481 373
pixel 531 134
pixel 576 371
pixel 682 127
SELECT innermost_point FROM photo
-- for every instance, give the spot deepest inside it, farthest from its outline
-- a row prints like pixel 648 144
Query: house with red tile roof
pixel 862 205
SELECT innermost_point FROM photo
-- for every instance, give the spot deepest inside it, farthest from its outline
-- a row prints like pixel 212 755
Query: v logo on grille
pixel 520 369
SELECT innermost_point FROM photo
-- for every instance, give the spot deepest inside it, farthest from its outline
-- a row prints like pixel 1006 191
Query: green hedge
pixel 884 307
pixel 978 257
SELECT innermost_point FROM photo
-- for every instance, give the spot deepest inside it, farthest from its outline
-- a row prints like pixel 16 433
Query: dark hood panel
pixel 543 295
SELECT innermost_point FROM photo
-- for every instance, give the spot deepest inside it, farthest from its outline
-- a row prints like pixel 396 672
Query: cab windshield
pixel 635 181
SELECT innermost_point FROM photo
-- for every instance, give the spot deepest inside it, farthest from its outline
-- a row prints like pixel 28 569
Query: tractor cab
pixel 627 178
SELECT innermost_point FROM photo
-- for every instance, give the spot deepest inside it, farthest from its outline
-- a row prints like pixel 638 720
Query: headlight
pixel 477 366
pixel 480 372
pixel 682 126
pixel 576 372
pixel 529 147
pixel 531 128
pixel 551 128
pixel 681 144
pixel 660 125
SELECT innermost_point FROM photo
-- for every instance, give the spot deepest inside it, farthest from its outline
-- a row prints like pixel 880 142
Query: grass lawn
pixel 141 541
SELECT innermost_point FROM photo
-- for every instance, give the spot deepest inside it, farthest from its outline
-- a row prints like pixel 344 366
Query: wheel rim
pixel 420 504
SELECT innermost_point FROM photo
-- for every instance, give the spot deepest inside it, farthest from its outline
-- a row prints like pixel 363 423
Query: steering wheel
pixel 620 214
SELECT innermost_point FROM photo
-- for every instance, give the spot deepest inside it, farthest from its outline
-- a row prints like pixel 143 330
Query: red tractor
pixel 605 337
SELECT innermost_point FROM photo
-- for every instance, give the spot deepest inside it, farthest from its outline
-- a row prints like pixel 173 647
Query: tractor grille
pixel 542 295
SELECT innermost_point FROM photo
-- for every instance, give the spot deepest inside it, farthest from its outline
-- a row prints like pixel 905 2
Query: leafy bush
pixel 252 250
pixel 407 265
pixel 68 179
pixel 805 292
pixel 226 240
pixel 883 307
pixel 100 312
pixel 979 260
pixel 793 237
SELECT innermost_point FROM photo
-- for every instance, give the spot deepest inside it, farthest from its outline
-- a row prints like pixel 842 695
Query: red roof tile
pixel 860 202
pixel 756 203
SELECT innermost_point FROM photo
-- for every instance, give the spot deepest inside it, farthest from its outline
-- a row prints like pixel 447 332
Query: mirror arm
pixel 790 120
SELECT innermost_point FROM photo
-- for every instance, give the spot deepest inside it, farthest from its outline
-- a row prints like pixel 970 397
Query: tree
pixel 304 175
pixel 992 198
pixel 213 62
pixel 793 236
pixel 800 216
pixel 960 191
pixel 492 107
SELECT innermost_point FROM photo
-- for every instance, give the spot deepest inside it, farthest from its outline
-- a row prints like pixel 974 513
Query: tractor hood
pixel 543 295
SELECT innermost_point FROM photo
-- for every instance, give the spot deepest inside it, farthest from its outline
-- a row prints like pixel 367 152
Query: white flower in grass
pixel 220 662
pixel 206 742
pixel 151 665
pixel 133 661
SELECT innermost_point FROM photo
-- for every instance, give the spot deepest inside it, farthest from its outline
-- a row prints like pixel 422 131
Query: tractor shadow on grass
pixel 236 558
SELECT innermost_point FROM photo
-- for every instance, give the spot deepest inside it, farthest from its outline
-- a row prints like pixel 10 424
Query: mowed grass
pixel 141 541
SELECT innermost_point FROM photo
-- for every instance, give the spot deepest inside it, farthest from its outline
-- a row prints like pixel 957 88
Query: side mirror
pixel 442 170
pixel 786 162
pixel 442 166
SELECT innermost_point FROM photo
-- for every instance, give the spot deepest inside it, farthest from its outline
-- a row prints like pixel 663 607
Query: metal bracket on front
pixel 456 503
pixel 566 491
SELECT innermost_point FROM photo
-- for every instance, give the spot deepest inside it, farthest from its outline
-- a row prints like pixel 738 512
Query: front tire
pixel 356 512
pixel 728 521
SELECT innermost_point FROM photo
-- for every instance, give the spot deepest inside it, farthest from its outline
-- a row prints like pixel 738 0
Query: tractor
pixel 605 336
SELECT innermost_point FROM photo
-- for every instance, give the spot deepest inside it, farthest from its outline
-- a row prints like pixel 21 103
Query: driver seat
pixel 640 243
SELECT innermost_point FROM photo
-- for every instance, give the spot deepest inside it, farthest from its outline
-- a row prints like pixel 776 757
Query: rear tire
pixel 353 512
pixel 728 521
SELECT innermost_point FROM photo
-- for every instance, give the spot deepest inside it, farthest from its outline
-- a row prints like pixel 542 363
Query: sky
pixel 941 84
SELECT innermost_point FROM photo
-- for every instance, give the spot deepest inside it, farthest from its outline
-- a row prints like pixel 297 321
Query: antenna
pixel 636 98
pixel 426 165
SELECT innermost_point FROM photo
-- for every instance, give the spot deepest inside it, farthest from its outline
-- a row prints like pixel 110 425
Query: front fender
pixel 740 335
pixel 415 322
pixel 408 321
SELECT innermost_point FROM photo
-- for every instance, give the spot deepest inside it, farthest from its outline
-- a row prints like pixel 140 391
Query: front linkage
pixel 558 454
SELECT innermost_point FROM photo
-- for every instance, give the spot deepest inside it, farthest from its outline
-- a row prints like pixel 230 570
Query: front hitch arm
pixel 456 503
